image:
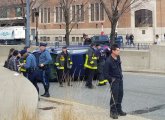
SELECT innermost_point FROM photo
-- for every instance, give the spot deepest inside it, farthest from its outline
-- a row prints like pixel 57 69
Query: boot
pixel 61 85
pixel 113 115
pixel 121 113
pixel 46 94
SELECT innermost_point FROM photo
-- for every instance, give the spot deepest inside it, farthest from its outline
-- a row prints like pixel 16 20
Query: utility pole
pixel 27 34
pixel 36 15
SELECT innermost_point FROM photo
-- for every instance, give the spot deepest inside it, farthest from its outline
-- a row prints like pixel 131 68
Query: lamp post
pixel 36 15
pixel 27 34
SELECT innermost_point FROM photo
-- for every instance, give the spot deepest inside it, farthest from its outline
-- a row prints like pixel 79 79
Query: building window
pixel 45 15
pixel 73 39
pixel 97 12
pixel 44 38
pixel 18 12
pixel 77 13
pixel 59 15
pixel 4 12
pixel 143 18
pixel 77 39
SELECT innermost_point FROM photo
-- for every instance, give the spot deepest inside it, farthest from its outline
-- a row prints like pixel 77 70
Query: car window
pixel 100 38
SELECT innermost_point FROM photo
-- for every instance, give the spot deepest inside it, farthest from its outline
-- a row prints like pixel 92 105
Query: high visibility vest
pixel 22 69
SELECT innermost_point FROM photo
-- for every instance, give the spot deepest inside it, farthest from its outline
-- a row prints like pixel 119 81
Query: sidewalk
pixel 66 110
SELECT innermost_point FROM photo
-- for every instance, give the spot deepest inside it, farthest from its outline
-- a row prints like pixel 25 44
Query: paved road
pixel 144 94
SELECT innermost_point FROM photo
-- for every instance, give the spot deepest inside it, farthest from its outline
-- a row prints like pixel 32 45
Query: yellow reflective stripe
pixel 94 58
pixel 23 70
pixel 71 63
pixel 87 66
pixel 61 67
pixel 57 64
pixel 101 82
pixel 105 81
pixel 91 62
pixel 62 58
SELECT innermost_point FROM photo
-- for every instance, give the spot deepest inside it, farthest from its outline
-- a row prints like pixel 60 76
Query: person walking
pixel 90 65
pixel 131 40
pixel 113 72
pixel 64 64
pixel 44 62
pixel 30 66
pixel 127 39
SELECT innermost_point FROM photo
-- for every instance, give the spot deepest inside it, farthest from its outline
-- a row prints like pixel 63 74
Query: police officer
pixel 113 73
pixel 64 64
pixel 44 62
pixel 30 66
pixel 101 61
pixel 90 65
pixel 23 61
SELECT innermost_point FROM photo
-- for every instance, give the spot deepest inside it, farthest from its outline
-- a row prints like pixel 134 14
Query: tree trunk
pixel 67 34
pixel 113 31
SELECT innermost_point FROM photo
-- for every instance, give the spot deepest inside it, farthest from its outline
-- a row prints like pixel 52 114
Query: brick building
pixel 144 21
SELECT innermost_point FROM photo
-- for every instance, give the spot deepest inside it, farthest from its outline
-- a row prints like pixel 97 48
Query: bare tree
pixel 72 16
pixel 115 9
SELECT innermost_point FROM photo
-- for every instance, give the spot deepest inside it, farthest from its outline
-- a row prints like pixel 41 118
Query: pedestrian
pixel 113 72
pixel 30 66
pixel 44 63
pixel 64 65
pixel 87 40
pixel 9 56
pixel 90 65
pixel 131 40
pixel 101 55
pixel 13 61
pixel 157 40
pixel 127 39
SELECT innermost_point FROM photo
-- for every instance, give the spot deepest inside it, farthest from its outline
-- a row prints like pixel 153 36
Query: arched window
pixel 143 18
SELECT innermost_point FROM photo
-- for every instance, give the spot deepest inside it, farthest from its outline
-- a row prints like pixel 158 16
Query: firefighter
pixel 90 65
pixel 44 62
pixel 101 61
pixel 64 64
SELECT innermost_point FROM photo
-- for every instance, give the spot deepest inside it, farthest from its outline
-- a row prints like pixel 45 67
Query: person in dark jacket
pixel 87 40
pixel 90 65
pixel 101 55
pixel 9 56
pixel 44 62
pixel 131 40
pixel 113 72
pixel 13 61
pixel 64 64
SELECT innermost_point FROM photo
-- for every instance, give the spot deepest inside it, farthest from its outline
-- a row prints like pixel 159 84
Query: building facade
pixel 144 21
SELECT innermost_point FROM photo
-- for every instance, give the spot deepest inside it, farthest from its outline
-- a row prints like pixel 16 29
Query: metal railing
pixel 137 46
